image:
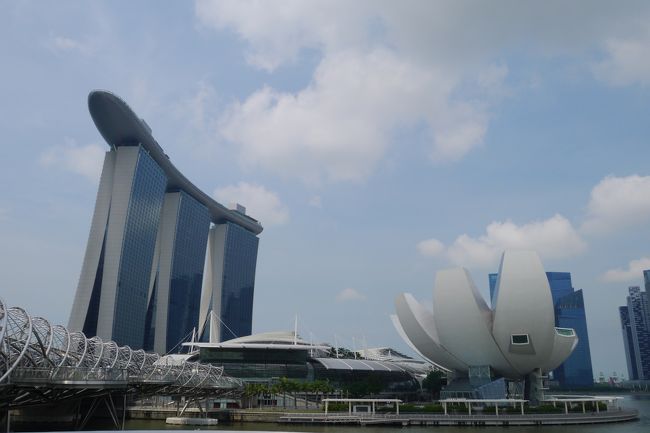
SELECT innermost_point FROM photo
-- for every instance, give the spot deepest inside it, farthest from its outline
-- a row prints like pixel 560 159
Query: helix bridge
pixel 41 363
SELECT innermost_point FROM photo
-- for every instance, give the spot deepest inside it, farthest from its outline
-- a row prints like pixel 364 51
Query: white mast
pixel 213 338
pixel 295 330
pixel 336 346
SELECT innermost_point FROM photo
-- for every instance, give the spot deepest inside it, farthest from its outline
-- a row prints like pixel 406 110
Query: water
pixel 639 402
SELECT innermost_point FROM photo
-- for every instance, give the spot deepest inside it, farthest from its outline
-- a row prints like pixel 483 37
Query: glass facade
pixel 576 371
pixel 143 217
pixel 638 322
pixel 238 282
pixel 628 343
pixel 560 283
pixel 90 324
pixel 269 364
pixel 493 284
pixel 190 239
pixel 258 364
pixel 141 281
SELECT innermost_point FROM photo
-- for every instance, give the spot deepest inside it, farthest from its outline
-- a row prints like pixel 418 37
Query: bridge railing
pixel 32 351
pixel 44 375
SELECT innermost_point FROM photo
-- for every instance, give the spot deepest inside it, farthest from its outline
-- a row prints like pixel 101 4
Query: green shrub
pixel 545 408
pixel 511 410
pixel 336 407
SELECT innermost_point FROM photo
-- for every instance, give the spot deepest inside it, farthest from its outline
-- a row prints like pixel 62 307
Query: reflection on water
pixel 639 402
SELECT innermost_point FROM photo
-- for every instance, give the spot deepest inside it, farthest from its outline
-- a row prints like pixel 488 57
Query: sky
pixel 376 141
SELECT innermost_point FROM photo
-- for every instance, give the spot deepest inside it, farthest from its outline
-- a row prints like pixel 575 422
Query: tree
pixel 321 386
pixel 254 390
pixel 434 382
pixel 284 386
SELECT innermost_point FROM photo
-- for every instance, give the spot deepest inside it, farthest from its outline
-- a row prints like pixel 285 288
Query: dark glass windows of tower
pixel 143 215
pixel 187 270
pixel 238 282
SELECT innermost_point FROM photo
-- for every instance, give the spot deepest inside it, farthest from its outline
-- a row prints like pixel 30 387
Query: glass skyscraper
pixel 175 291
pixel 628 343
pixel 576 371
pixel 635 324
pixel 232 254
pixel 142 280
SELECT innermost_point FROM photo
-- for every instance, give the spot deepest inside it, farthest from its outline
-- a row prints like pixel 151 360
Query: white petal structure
pixel 515 338
pixel 418 325
pixel 464 321
pixel 564 343
pixel 524 319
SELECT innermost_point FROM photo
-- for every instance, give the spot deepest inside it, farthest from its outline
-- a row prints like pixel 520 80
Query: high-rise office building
pixel 628 343
pixel 576 371
pixel 230 272
pixel 175 283
pixel 141 282
pixel 635 324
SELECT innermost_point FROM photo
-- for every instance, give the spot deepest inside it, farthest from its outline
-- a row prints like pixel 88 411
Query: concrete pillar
pixel 566 408
pixel 373 407
pixel 326 406
pixel 522 407
pixel 583 407
pixel 444 406
pixel 597 407
pixel 496 409
pixel 397 406
pixel 349 407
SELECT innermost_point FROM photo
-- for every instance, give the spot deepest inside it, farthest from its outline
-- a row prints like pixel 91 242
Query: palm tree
pixel 275 389
pixel 283 386
pixel 292 387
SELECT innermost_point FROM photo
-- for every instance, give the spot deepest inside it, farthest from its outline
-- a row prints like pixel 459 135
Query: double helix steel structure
pixel 41 363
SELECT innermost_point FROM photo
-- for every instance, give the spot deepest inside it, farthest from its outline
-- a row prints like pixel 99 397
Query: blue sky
pixel 377 142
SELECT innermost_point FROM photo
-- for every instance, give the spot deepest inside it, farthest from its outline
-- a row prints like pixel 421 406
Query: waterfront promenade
pixel 407 419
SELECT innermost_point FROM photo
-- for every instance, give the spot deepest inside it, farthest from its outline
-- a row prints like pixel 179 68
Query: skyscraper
pixel 175 283
pixel 635 324
pixel 576 371
pixel 628 343
pixel 142 277
pixel 230 272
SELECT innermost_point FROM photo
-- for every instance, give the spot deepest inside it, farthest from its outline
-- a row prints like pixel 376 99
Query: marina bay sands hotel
pixel 162 257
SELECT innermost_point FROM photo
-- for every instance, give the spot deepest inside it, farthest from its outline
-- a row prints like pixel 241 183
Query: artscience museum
pixel 489 351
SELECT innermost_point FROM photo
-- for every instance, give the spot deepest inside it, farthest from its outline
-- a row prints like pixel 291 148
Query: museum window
pixel 519 338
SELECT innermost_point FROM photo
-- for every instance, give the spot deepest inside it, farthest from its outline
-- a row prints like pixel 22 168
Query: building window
pixel 519 338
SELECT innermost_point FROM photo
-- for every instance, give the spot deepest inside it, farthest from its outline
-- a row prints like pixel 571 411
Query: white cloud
pixel 634 271
pixel 387 65
pixel 552 238
pixel 64 44
pixel 339 127
pixel 277 33
pixel 315 201
pixel 260 203
pixel 197 108
pixel 431 247
pixel 350 294
pixel 617 203
pixel 84 160
pixel 627 61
